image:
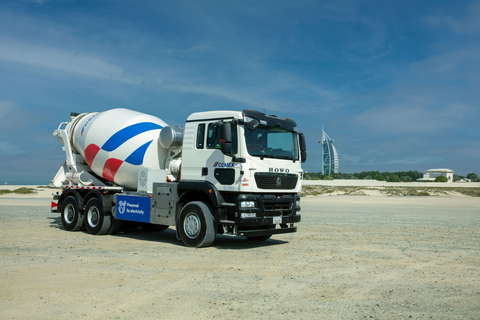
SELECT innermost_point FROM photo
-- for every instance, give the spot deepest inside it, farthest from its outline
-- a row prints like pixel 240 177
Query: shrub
pixel 441 179
pixel 24 190
pixel 379 177
pixel 393 178
pixel 328 178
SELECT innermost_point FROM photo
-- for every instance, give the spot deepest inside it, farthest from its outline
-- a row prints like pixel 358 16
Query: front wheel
pixel 72 216
pixel 196 225
pixel 96 220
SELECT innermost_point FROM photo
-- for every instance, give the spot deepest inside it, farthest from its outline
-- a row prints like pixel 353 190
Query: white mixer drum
pixel 116 143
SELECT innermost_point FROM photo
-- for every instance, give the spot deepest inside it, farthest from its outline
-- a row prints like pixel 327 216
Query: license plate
pixel 277 220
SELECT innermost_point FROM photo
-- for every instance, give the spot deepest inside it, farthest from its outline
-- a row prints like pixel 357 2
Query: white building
pixel 432 174
pixel 329 155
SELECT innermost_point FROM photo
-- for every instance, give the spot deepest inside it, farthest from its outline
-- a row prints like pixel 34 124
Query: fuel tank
pixel 117 142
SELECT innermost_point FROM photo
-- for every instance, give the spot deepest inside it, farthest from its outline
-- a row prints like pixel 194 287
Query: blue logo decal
pixel 223 164
pixel 133 208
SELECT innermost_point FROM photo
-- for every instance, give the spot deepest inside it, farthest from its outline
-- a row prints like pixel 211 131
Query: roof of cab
pixel 215 115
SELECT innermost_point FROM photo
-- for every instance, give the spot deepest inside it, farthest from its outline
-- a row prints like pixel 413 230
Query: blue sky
pixel 395 83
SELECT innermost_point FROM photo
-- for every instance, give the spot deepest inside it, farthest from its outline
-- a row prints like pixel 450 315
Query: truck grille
pixel 277 208
pixel 278 181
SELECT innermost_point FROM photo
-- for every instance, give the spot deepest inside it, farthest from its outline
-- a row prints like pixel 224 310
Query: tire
pixel 148 227
pixel 96 220
pixel 72 216
pixel 196 225
pixel 115 226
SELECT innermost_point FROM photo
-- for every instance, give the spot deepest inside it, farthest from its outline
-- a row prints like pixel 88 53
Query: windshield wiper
pixel 265 156
pixel 284 157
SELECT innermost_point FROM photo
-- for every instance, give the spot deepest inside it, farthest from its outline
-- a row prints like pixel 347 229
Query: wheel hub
pixel 69 213
pixel 192 225
pixel 93 216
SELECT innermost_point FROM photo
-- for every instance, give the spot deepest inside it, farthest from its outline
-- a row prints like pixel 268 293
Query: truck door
pixel 220 169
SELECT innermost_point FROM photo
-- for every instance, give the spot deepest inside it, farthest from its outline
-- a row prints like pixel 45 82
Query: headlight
pixel 297 203
pixel 248 215
pixel 247 204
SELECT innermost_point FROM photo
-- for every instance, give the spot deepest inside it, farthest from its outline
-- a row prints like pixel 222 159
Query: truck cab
pixel 253 163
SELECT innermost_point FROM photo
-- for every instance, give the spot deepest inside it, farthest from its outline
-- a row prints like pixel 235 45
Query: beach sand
pixel 353 257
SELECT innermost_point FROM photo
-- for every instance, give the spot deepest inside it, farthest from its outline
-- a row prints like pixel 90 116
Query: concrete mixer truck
pixel 226 172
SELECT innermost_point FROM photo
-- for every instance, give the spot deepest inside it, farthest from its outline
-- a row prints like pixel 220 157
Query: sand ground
pixel 353 257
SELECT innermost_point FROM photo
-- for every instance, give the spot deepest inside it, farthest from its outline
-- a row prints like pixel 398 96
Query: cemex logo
pixel 223 164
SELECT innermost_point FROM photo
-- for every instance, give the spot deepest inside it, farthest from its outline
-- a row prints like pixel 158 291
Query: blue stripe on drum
pixel 136 158
pixel 121 136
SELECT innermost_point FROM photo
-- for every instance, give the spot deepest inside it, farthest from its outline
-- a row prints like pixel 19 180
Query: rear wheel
pixel 196 225
pixel 115 226
pixel 96 220
pixel 72 216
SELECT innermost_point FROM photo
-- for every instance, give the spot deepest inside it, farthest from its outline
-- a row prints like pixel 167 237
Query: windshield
pixel 268 142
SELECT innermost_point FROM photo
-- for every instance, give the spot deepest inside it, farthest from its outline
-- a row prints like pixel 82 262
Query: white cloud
pixel 8 148
pixel 410 118
pixel 61 60
pixel 468 23
pixel 6 107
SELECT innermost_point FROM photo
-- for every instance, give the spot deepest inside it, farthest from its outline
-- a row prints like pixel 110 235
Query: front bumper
pixel 269 210
pixel 266 232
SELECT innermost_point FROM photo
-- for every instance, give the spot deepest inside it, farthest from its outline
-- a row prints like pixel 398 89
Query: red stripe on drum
pixel 110 168
pixel 90 153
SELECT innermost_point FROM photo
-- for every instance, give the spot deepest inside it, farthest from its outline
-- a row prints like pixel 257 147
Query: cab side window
pixel 212 136
pixel 200 135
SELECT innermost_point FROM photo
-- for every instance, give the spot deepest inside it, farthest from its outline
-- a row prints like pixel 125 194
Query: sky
pixel 394 83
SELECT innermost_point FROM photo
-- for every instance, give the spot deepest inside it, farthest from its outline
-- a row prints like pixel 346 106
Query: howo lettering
pixel 227 172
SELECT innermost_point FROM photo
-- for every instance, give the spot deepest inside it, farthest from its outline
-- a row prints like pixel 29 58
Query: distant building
pixel 432 174
pixel 329 155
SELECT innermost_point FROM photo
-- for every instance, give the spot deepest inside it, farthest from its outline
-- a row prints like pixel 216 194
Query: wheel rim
pixel 192 225
pixel 93 216
pixel 69 213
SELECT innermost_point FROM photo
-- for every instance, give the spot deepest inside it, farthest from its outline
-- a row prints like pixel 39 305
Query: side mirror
pixel 303 147
pixel 226 138
pixel 252 125
pixel 226 148
pixel 303 154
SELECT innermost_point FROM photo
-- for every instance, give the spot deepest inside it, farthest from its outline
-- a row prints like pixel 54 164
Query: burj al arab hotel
pixel 329 155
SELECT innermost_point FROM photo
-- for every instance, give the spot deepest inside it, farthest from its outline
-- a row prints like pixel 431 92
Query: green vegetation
pixel 398 176
pixel 405 176
pixel 441 179
pixel 22 190
pixel 393 178
pixel 389 191
pixel 473 176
